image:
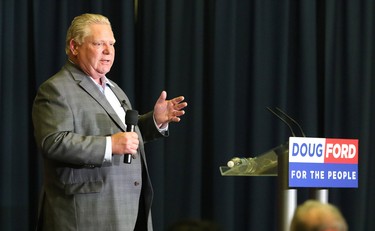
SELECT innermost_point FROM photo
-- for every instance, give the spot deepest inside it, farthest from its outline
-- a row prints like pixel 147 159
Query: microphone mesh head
pixel 131 117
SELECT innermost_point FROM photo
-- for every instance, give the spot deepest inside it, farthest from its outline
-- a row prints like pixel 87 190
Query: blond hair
pixel 79 28
pixel 314 215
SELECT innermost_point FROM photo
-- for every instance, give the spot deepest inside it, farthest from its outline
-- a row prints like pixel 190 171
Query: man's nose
pixel 107 49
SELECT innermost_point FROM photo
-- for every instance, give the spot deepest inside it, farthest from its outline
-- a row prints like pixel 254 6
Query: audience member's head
pixel 313 215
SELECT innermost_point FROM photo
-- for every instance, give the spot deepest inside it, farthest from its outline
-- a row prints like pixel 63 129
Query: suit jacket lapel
pixel 89 86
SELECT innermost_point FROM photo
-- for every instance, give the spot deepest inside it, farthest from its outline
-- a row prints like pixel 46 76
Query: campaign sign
pixel 323 162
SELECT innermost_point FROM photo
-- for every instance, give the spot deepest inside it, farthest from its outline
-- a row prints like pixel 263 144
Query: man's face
pixel 96 54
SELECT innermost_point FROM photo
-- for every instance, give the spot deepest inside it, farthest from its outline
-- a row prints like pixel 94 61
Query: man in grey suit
pixel 78 116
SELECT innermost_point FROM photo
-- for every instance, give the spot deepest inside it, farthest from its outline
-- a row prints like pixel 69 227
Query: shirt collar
pixel 104 81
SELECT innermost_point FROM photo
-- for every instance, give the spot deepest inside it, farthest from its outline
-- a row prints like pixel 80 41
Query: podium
pixel 274 163
pixel 313 163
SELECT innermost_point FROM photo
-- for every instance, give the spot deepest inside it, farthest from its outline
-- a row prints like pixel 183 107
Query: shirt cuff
pixel 108 150
pixel 163 128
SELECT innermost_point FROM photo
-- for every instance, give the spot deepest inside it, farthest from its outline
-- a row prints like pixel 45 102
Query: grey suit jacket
pixel 71 119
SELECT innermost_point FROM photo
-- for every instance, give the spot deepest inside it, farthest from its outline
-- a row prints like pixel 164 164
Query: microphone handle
pixel 128 157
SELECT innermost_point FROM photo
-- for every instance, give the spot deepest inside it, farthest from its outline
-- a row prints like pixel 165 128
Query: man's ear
pixel 73 47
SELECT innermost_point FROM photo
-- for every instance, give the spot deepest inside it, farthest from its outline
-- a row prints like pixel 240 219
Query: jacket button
pixel 136 183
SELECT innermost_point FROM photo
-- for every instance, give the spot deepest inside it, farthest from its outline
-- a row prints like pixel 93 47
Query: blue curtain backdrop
pixel 231 60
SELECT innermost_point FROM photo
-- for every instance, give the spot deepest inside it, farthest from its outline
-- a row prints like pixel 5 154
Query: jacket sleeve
pixel 148 128
pixel 56 131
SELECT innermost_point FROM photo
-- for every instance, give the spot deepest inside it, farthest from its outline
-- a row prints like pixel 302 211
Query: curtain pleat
pixel 231 60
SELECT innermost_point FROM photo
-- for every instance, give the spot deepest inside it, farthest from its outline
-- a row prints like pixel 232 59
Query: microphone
pixel 289 121
pixel 131 120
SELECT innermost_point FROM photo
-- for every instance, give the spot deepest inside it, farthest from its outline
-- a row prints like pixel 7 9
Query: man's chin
pixel 103 71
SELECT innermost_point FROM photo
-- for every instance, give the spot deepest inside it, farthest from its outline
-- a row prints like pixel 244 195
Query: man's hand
pixel 125 143
pixel 166 111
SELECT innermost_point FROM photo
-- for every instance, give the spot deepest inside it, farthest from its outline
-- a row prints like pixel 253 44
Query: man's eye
pixel 97 43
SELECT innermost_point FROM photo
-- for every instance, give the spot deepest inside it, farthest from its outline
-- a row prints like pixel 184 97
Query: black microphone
pixel 131 120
